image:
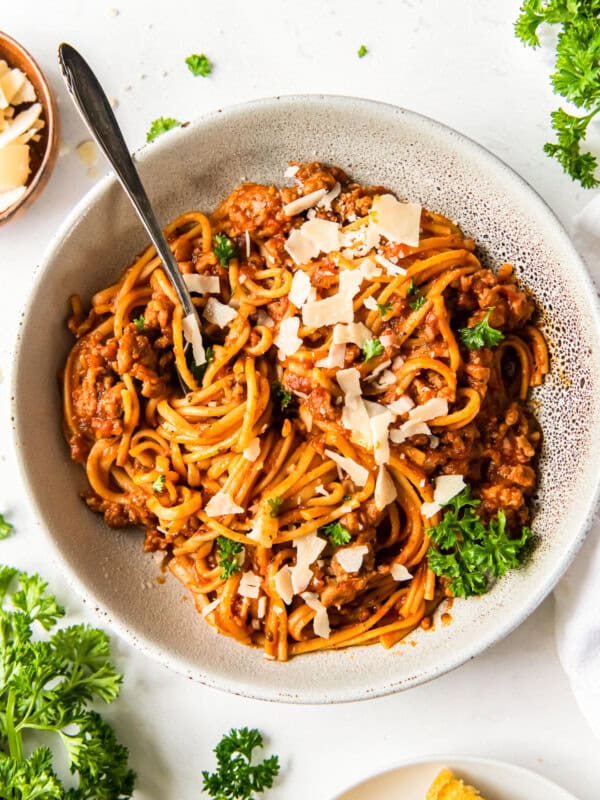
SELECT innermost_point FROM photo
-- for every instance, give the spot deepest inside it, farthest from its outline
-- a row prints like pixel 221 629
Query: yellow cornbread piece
pixel 447 787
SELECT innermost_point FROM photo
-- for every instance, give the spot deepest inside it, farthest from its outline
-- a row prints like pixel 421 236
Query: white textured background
pixel 458 62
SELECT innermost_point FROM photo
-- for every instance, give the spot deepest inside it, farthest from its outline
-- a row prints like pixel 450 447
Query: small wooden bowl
pixel 44 152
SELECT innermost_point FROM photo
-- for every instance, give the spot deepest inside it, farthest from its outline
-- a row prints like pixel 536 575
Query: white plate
pixel 496 780
pixel 196 166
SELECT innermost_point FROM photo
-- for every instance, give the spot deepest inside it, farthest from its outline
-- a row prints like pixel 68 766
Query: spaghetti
pixel 291 489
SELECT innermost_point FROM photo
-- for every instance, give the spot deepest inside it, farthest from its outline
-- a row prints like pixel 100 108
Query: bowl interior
pixel 44 152
pixel 193 168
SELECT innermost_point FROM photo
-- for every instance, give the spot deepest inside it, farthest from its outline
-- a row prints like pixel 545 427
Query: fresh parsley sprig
pixel 576 76
pixel 469 553
pixel 199 64
pixel 275 504
pixel 281 395
pixel 371 348
pixel 224 249
pixel 160 126
pixel 228 551
pixel 384 308
pixel 481 334
pixel 139 323
pixel 338 534
pixel 418 298
pixel 47 686
pixel 236 777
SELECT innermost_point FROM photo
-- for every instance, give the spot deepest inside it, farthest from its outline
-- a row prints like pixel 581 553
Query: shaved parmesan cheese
pixel 389 266
pixel 300 247
pixel 287 340
pixel 249 585
pixel 11 83
pixel 327 199
pixel 410 428
pixel 401 405
pixel 320 489
pixel 380 420
pixel 369 270
pixel 191 333
pixel 291 171
pixel 208 609
pixel 400 573
pixel 321 620
pixel 202 284
pixel 20 124
pixel 350 558
pixel 362 240
pixel 397 362
pixel 262 318
pixel 14 166
pixel 261 607
pixel 353 333
pixel 222 504
pixel 302 203
pixel 387 379
pixel 248 244
pixel 309 548
pixel 398 222
pixel 436 407
pixel 252 452
pixel 356 471
pixel 370 303
pixel 349 381
pixel 283 584
pixel 26 94
pixel 335 358
pixel 446 487
pixel 218 313
pixel 300 289
pixel 324 234
pixel 385 489
pixel 338 307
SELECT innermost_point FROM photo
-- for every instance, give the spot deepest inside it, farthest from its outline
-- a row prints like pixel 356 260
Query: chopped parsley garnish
pixel 470 554
pixel 139 323
pixel 417 302
pixel 371 348
pixel 228 551
pixel 418 299
pixel 160 126
pixel 224 249
pixel 481 335
pixel 236 777
pixel 198 370
pixel 5 527
pixel 159 484
pixel 337 533
pixel 281 395
pixel 576 76
pixel 346 498
pixel 384 308
pixel 47 686
pixel 362 51
pixel 199 64
pixel 275 503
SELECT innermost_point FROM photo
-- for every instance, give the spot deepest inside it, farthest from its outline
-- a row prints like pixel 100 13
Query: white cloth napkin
pixel 578 594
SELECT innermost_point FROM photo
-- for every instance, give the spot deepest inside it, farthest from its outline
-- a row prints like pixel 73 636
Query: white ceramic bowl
pixel 195 166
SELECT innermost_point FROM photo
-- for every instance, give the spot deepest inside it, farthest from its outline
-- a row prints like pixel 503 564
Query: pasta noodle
pixel 286 490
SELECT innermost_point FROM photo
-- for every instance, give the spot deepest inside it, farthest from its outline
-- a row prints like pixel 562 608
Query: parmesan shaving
pixel 283 584
pixel 436 407
pixel 208 609
pixel 321 620
pixel 202 284
pixel 356 472
pixel 446 487
pixel 389 266
pixel 287 340
pixel 324 234
pixel 385 489
pixel 401 405
pixel 300 247
pixel 370 303
pixel 338 307
pixel 262 318
pixel 335 358
pixel 327 199
pixel 398 222
pixel 222 504
pixel 353 333
pixel 400 573
pixel 303 203
pixel 191 333
pixel 410 428
pixel 249 585
pixel 300 289
pixel 350 559
pixel 252 452
pixel 218 313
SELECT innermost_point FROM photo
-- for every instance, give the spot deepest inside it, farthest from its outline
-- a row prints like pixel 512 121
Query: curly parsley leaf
pixel 224 249
pixel 481 335
pixel 418 299
pixel 371 348
pixel 199 64
pixel 576 76
pixel 47 685
pixel 160 126
pixel 139 323
pixel 228 551
pixel 337 533
pixel 384 308
pixel 282 396
pixel 362 51
pixel 6 528
pixel 275 504
pixel 159 484
pixel 236 777
pixel 470 554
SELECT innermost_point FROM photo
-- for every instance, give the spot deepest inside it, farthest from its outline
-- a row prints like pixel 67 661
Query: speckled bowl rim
pixel 504 625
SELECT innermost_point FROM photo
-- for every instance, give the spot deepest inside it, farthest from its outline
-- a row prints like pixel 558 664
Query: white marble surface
pixel 456 61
